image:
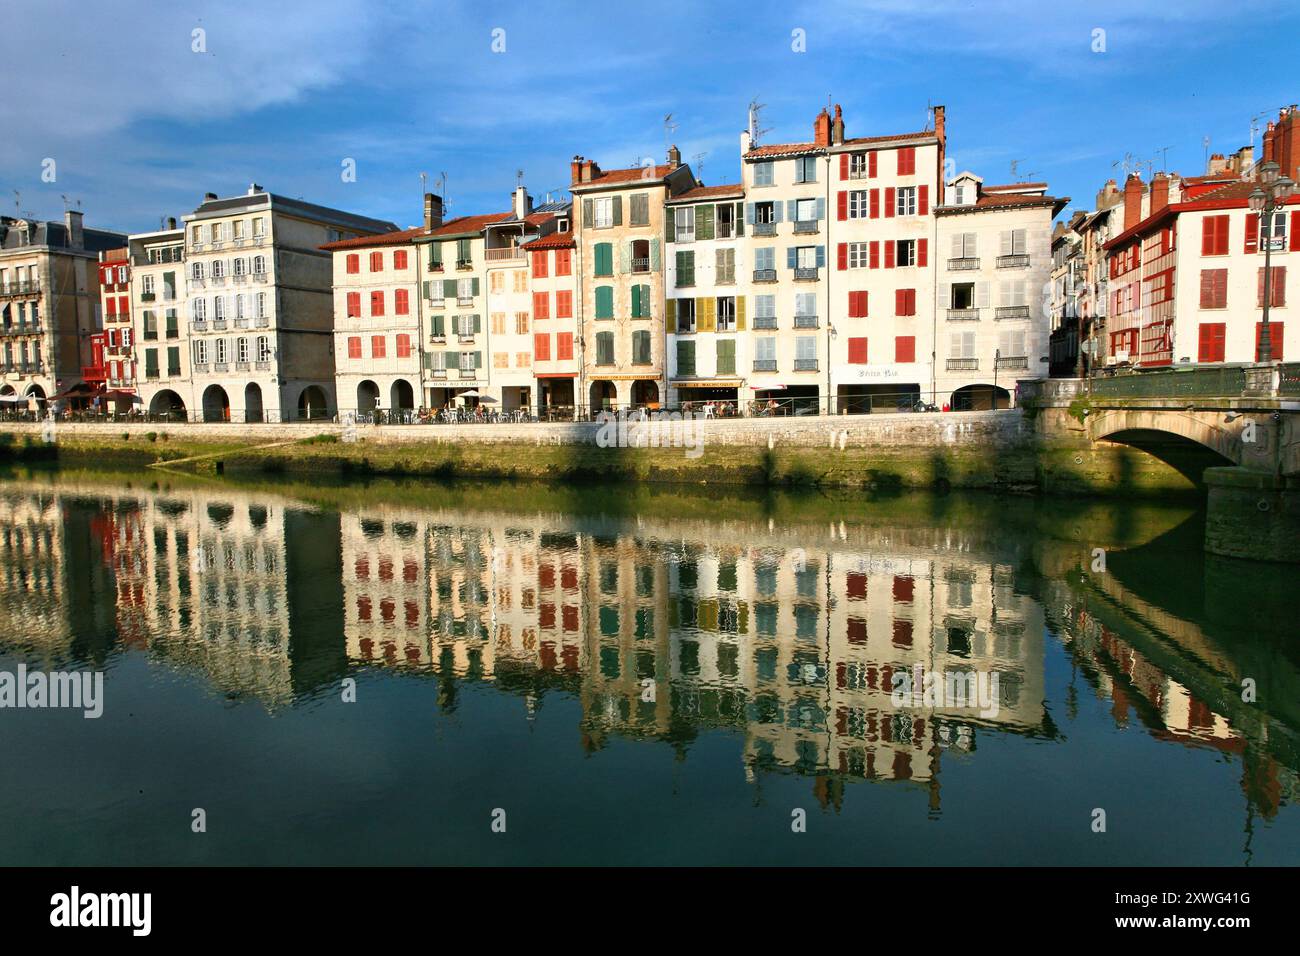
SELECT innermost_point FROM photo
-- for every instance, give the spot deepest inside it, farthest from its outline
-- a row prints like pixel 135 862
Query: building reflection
pixel 791 639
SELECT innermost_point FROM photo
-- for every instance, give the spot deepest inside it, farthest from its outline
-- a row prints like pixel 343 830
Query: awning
pixel 122 396
pixel 80 390
pixel 555 375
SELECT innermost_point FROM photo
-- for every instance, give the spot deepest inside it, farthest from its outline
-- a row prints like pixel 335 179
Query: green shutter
pixel 455 325
pixel 586 214
pixel 685 357
pixel 636 302
pixel 670 225
pixel 703 222
pixel 478 359
pixel 449 288
pixel 478 322
pixel 474 290
pixel 435 255
pixel 738 219
pixel 604 302
pixel 439 327
pixel 618 210
pixel 726 356
pixel 654 254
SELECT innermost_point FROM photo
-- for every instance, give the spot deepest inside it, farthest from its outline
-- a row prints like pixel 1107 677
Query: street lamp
pixel 1273 191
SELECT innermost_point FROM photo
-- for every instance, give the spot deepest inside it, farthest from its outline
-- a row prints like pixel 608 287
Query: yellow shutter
pixel 707 316
pixel 671 311
pixel 740 313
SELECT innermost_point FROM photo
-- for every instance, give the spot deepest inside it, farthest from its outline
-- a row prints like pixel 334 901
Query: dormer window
pixel 959 194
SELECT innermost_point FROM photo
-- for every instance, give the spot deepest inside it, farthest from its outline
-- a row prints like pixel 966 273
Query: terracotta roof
pixel 782 149
pixel 468 224
pixel 1240 189
pixel 383 239
pixel 614 177
pixel 1226 176
pixel 795 149
pixel 1013 187
pixel 1006 201
pixel 556 240
pixel 864 140
pixel 699 193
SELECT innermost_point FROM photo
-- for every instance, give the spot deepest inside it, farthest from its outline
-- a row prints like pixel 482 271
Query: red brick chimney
pixel 575 169
pixel 1268 143
pixel 822 129
pixel 1286 143
pixel 1159 193
pixel 837 126
pixel 1132 201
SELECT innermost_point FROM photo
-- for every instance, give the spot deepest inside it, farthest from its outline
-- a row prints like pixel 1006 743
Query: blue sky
pixel 140 125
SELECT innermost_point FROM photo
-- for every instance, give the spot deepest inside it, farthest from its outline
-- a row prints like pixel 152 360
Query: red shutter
pixel 1295 231
pixel 1274 340
pixel 844 167
pixel 889 202
pixel 842 256
pixel 900 302
pixel 1207 236
pixel 401 302
pixel 1210 347
pixel 875 202
pixel 1279 286
pixel 889 254
pixel 354 304
pixel 377 303
pixel 874 261
pixel 905 348
pixel 871 164
pixel 923 200
pixel 858 351
pixel 842 203
pixel 541 347
pixel 1252 232
pixel 922 250
pixel 354 263
pixel 1207 291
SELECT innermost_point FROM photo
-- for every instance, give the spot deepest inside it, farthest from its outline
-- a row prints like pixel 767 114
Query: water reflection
pixel 787 635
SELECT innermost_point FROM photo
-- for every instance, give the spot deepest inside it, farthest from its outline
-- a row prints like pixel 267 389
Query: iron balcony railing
pixel 804 273
pixel 764 275
pixel 805 227
pixel 764 229
pixel 963 315
pixel 1017 261
pixel 1011 312
pixel 805 365
pixel 805 321
pixel 765 321
pixel 1013 361
pixel 963 264
pixel 764 365
pixel 963 365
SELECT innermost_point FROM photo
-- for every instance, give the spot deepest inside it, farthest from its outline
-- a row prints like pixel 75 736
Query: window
pixel 905 348
pixel 641 347
pixel 805 210
pixel 564 346
pixel 498 320
pixel 906 253
pixel 196 235
pixel 223 349
pixel 564 304
pixel 259 265
pixel 685 315
pixel 858 165
pixel 263 348
pixel 765 259
pixel 218 307
pixel 1274 340
pixel 858 350
pixel 1276 291
pixel 765 352
pixel 604 301
pixel 685 268
pixel 377 302
pixel 500 359
pixel 542 305
pixel 201 352
pixel 604 259
pixel 399 259
pixel 173 328
pixel 726 221
pixel 150 363
pixel 725 268
pixel 1210 346
pixel 563 262
pixel 856 255
pixel 241 350
pixel 241 266
pixel 604 348
pixel 638 213
pixel 962 345
pixel 1214 236
pixel 1277 235
pixel 905 199
pixel 354 346
pixel 150 326
pixel 521 323
pixel 463 255
pixel 259 226
pixel 173 360
pixel 1011 344
pixel 403 345
pixel 641 301
pixel 542 347
pixel 401 302
pixel 764 311
pixel 805 353
pixel 805 304
pixel 604 212
pixel 726 364
pixel 261 305
pixel 763 174
pixel 764 213
pixel 857 305
pixel 857 204
pixel 963 246
pixel 146 286
pixel 805 169
pixel 905 302
pixel 907 161
pixel 377 349
pixel 684 224
pixel 685 358
pixel 199 309
pixel 726 313
pixel 540 263
pixel 218 268
pixel 1013 242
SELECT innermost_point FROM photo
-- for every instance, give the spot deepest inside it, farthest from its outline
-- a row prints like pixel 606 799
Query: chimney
pixel 1268 143
pixel 171 222
pixel 1132 201
pixel 432 211
pixel 941 134
pixel 522 203
pixel 208 197
pixel 1159 193
pixel 674 157
pixel 72 220
pixel 575 169
pixel 837 126
pixel 746 142
pixel 822 129
pixel 254 189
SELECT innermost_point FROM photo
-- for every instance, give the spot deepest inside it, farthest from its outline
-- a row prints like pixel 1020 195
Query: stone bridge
pixel 1244 418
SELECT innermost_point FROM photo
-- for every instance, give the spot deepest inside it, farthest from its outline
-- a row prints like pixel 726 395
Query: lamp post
pixel 1272 192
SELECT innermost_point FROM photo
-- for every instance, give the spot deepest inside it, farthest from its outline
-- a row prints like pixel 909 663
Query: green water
pixel 377 673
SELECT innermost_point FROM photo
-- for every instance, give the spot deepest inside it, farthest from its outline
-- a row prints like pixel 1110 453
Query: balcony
pixel 805 321
pixel 437 338
pixel 464 265
pixel 262 322
pixel 963 264
pixel 805 365
pixel 1013 361
pixel 764 322
pixel 505 255
pixel 963 365
pixel 438 372
pixel 221 366
pixel 963 315
pixel 241 323
pixel 202 367
pixel 764 365
pixel 805 273
pixel 241 366
pixel 199 325
pixel 1011 312
pixel 465 338
pixel 764 275
pixel 219 325
pixel 147 296
pixel 259 276
pixel 1012 262
pixel 218 280
pixel 21 288
pixel 805 227
pixel 764 229
pixel 464 300
pixel 263 366
pixel 641 265
pixel 468 373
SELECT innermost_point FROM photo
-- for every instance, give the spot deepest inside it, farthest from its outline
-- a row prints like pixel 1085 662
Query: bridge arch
pixel 1132 426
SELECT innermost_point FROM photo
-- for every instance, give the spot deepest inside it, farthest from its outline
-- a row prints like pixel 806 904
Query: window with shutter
pixel 905 348
pixel 1275 338
pixel 858 350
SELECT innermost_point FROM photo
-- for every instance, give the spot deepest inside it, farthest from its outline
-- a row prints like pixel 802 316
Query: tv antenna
pixel 1129 164
pixel 1016 175
pixel 697 161
pixel 1164 158
pixel 519 177
pixel 670 127
pixel 755 131
pixel 1205 146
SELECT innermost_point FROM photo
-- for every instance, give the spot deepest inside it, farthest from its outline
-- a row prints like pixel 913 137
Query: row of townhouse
pixel 1172 271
